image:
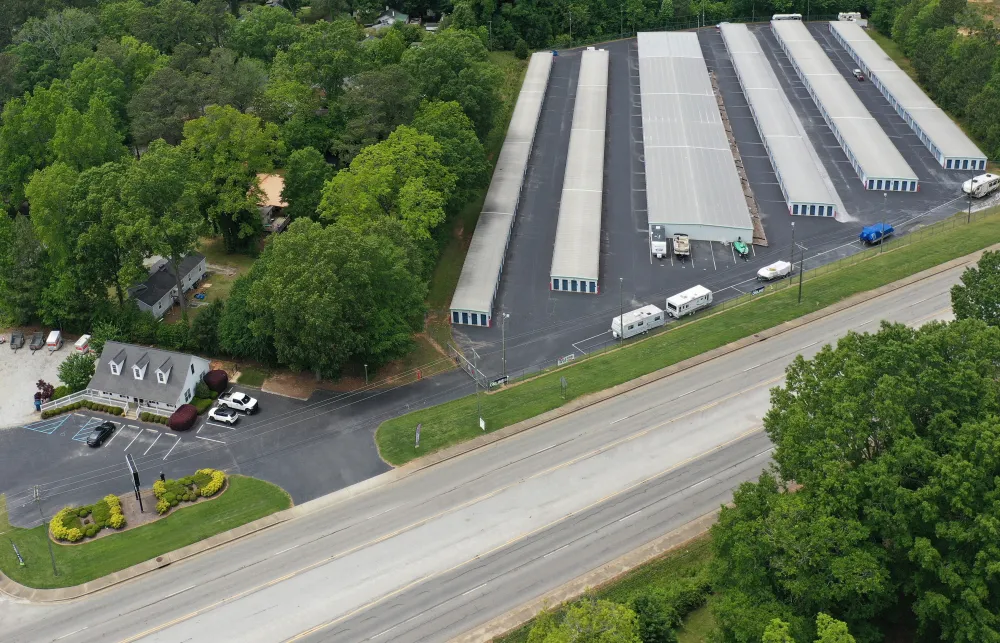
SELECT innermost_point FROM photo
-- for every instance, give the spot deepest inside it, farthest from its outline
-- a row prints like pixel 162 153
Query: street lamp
pixel 621 312
pixel 791 259
pixel 475 376
pixel 881 232
pixel 366 374
pixel 802 268
pixel 503 340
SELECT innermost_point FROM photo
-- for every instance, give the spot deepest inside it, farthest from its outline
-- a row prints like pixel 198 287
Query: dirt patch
pixel 295 385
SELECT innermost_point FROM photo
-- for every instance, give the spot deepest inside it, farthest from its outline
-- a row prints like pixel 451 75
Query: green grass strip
pixel 453 422
pixel 246 500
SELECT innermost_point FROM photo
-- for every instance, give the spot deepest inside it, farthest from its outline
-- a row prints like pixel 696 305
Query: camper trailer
pixel 982 185
pixel 658 240
pixel 787 16
pixel 689 301
pixel 638 321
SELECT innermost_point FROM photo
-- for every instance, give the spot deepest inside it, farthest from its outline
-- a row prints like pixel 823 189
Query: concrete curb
pixel 16 590
pixel 590 580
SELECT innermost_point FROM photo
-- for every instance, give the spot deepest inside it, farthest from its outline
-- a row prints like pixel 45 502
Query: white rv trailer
pixel 689 301
pixel 637 321
pixel 787 16
pixel 982 185
pixel 852 16
pixel 658 240
pixel 777 270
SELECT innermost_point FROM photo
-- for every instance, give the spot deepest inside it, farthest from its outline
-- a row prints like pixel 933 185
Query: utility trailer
pixel 982 185
pixel 637 322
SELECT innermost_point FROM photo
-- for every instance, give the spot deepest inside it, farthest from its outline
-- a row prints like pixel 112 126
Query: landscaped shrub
pixel 217 380
pixel 153 417
pixel 83 512
pixel 162 507
pixel 170 492
pixel 91 531
pixel 60 391
pixel 202 404
pixel 83 404
pixel 213 486
pixel 201 390
pixel 117 518
pixel 183 418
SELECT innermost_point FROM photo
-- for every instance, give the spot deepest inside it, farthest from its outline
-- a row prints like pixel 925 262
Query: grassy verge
pixel 245 500
pixel 659 573
pixel 454 422
pixel 250 376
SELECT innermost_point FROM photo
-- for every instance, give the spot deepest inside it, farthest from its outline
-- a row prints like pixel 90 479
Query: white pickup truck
pixel 239 402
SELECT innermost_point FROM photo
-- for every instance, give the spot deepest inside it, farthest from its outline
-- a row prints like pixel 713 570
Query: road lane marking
pixel 209 439
pixel 180 591
pixel 151 445
pixel 551 446
pixel 288 549
pixel 555 550
pixel 385 631
pixel 134 439
pixel 623 518
pixel 115 434
pixel 474 589
pixel 71 633
pixel 173 447
pixel 221 426
pixel 486 496
pixel 620 419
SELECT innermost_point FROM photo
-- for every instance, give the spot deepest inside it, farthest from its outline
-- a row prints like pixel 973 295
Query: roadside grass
pixel 697 626
pixel 456 421
pixel 658 573
pixel 245 500
pixel 252 376
pixel 424 357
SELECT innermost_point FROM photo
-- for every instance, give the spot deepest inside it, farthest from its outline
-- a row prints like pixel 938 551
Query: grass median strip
pixel 454 422
pixel 246 500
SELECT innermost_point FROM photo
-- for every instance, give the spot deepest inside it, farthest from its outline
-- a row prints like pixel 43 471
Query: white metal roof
pixel 862 135
pixel 481 272
pixel 578 233
pixel 693 292
pixel 691 177
pixel 790 152
pixel 931 119
pixel 633 316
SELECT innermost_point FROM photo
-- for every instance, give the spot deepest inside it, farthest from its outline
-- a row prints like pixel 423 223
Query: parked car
pixel 100 433
pixel 874 233
pixel 858 74
pixel 239 402
pixel 16 340
pixel 223 414
pixel 37 341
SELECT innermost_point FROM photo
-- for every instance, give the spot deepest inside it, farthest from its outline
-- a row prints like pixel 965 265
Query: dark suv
pixel 100 433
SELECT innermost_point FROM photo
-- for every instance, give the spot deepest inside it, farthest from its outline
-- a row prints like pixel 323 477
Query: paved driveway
pixel 19 371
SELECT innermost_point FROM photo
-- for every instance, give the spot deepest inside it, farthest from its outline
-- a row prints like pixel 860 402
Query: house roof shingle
pixel 148 388
pixel 161 280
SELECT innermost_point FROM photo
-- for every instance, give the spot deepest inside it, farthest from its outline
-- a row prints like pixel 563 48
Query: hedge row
pixel 68 524
pixel 170 493
pixel 153 417
pixel 83 404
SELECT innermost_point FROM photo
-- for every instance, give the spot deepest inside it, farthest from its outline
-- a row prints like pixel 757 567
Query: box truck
pixel 689 301
pixel 637 321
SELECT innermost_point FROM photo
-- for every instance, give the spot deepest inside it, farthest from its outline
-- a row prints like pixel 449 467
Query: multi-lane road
pixel 433 554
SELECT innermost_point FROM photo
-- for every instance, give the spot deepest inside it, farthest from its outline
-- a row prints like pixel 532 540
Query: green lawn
pixel 245 500
pixel 251 376
pixel 656 574
pixel 697 626
pixel 453 422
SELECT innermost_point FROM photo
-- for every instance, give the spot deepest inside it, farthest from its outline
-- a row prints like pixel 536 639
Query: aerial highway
pixel 433 554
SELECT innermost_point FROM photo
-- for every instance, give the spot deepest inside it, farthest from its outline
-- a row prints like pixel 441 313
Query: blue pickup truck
pixel 873 233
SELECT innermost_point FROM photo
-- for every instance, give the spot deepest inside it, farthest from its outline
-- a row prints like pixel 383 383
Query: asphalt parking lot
pixel 545 325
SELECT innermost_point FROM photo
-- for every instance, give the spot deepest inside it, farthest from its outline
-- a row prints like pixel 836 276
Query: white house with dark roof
pixel 147 377
pixel 159 292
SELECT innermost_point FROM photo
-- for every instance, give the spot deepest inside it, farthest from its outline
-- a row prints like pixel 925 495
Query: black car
pixel 100 433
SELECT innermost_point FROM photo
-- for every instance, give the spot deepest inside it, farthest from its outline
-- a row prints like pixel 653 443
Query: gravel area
pixel 19 371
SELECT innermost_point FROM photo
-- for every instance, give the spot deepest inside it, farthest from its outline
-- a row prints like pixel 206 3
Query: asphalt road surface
pixel 448 548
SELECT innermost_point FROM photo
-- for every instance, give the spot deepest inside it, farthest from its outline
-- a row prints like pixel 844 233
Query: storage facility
pixel 477 285
pixel 576 255
pixel 946 141
pixel 692 186
pixel 794 161
pixel 875 159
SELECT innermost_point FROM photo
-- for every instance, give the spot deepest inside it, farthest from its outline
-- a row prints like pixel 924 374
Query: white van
pixel 688 301
pixel 637 321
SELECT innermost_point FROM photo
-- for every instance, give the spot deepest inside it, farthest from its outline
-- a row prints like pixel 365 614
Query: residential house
pixel 146 377
pixel 271 205
pixel 389 17
pixel 159 292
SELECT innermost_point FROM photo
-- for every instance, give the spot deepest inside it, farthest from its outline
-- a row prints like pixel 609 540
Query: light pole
pixel 802 266
pixel 571 28
pixel 621 312
pixel 621 23
pixel 791 259
pixel 366 374
pixel 881 230
pixel 475 376
pixel 38 502
pixel 503 340
pixel 968 219
pixel 490 37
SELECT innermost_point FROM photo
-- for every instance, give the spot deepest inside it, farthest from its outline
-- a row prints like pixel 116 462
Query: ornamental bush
pixel 213 486
pixel 73 534
pixel 159 488
pixel 217 380
pixel 83 512
pixel 183 418
pixel 117 519
pixel 162 507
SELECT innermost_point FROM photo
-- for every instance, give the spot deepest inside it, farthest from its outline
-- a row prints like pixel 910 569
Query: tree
pixel 830 630
pixel 230 80
pixel 24 270
pixel 590 621
pixel 77 370
pixel 656 621
pixel 461 151
pixel 375 103
pixel 777 632
pixel 454 65
pixel 521 49
pixel 978 296
pixel 166 100
pixel 305 176
pixel 325 54
pixel 236 335
pixel 47 48
pixel 229 149
pixel 135 59
pixel 89 139
pixel 263 32
pixel 204 335
pixel 98 77
pixel 27 125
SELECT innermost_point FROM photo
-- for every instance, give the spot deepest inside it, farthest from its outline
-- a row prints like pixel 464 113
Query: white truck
pixel 689 301
pixel 638 321
pixel 777 270
pixel 658 240
pixel 982 185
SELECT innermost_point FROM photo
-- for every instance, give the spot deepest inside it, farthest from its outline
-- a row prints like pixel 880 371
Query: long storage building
pixel 576 255
pixel 795 163
pixel 876 160
pixel 946 141
pixel 692 186
pixel 472 302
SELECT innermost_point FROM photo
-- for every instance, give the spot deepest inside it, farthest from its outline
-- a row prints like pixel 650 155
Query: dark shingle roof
pixel 162 280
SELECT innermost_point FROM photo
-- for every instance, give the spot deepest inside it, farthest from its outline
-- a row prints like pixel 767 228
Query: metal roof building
pixel 946 141
pixel 795 164
pixel 873 156
pixel 477 286
pixel 576 255
pixel 692 186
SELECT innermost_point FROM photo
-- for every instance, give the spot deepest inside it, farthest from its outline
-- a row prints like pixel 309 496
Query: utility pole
pixel 366 374
pixel 802 266
pixel 48 539
pixel 621 312
pixel 475 376
pixel 503 340
pixel 881 231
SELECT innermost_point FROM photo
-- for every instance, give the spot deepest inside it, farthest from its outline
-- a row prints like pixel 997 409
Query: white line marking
pixel 474 589
pixel 699 483
pixel 284 550
pixel 751 368
pixel 72 633
pixel 551 446
pixel 555 550
pixel 221 426
pixel 83 416
pixel 209 439
pixel 385 631
pixel 153 430
pixel 172 448
pixel 688 393
pixel 630 515
pixel 200 428
pixel 620 419
pixel 180 591
pixel 115 434
pixel 151 445
pixel 133 440
pixel 764 451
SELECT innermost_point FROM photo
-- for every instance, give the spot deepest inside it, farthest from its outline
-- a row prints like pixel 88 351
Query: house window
pixel 949 164
pixel 555 284
pixel 593 286
pixel 465 318
pixel 565 284
pixel 879 184
pixel 114 369
pixel 137 372
pixel 483 319
pixel 187 395
pixel 192 368
pixel 895 185
pixel 812 209
pixel 161 377
pixel 871 184
pixel 965 164
pixel 573 285
pixel 795 209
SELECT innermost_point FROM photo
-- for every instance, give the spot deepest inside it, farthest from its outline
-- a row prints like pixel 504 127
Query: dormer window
pixel 163 371
pixel 115 369
pixel 138 372
pixel 140 366
pixel 117 363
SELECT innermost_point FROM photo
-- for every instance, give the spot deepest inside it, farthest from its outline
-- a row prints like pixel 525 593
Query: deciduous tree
pixel 978 296
pixel 305 176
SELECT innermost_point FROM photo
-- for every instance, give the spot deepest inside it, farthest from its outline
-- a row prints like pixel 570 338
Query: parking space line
pixel 173 447
pixel 81 433
pixel 134 439
pixel 209 439
pixel 151 445
pixel 221 426
pixel 47 427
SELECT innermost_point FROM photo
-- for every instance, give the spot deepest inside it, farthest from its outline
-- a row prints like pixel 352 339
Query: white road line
pixel 180 591
pixel 688 393
pixel 751 368
pixel 115 434
pixel 209 439
pixel 385 631
pixel 620 419
pixel 152 430
pixel 83 416
pixel 173 447
pixel 551 446
pixel 630 515
pixel 151 445
pixel 221 426
pixel 699 483
pixel 555 550
pixel 284 550
pixel 133 440
pixel 474 589
pixel 71 633
pixel 764 451
pixel 200 428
